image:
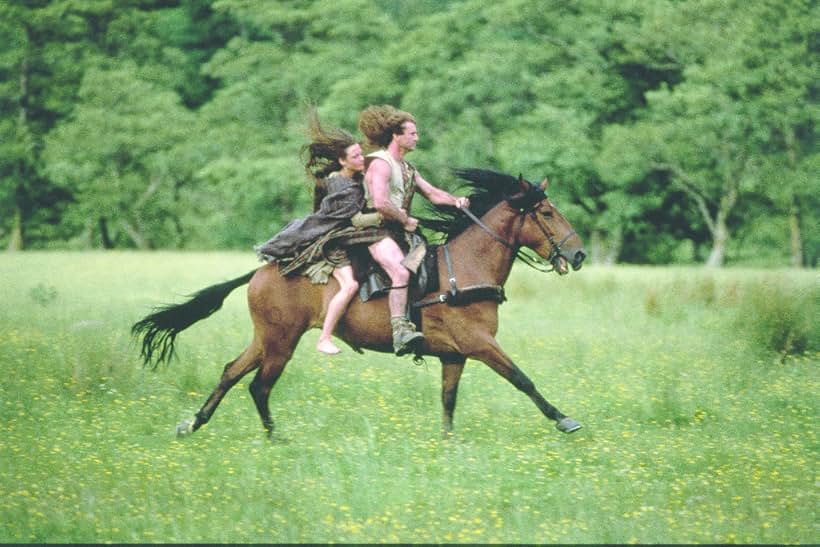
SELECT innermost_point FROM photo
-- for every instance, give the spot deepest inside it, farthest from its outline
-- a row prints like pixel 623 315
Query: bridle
pixel 515 247
pixel 556 247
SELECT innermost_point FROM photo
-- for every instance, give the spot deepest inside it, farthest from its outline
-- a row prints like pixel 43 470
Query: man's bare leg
pixel 388 255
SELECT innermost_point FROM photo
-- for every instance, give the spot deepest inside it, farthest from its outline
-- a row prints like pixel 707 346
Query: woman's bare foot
pixel 328 347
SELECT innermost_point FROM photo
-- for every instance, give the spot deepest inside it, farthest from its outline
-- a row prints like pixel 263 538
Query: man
pixel 389 186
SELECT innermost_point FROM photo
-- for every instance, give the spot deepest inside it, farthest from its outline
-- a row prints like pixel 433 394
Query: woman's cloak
pixel 344 199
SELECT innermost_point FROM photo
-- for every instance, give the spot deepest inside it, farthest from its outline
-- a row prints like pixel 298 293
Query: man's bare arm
pixel 438 196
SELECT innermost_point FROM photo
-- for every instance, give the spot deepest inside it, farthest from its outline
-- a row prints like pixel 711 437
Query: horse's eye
pixel 547 213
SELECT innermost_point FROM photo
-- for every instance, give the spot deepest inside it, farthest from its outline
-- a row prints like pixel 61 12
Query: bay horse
pixel 507 216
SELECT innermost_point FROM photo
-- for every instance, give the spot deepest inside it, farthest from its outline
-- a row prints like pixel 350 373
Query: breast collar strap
pixel 472 293
pixel 451 275
pixel 459 296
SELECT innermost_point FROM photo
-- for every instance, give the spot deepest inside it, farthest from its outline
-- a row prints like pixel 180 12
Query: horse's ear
pixel 523 185
pixel 545 184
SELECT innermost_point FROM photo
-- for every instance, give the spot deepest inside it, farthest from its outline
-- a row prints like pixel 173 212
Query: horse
pixel 508 218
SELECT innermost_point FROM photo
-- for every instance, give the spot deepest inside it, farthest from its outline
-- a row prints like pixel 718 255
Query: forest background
pixel 672 131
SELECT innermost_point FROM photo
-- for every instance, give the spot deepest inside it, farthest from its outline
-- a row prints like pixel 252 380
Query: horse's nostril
pixel 579 259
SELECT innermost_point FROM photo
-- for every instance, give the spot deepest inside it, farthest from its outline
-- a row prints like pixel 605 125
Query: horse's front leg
pixel 451 368
pixel 492 354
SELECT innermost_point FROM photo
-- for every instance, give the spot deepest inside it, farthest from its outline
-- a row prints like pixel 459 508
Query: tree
pixel 48 47
pixel 710 134
pixel 780 90
pixel 115 156
pixel 45 45
pixel 672 130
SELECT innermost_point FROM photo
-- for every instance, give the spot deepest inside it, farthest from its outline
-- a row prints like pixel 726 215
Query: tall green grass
pixel 697 389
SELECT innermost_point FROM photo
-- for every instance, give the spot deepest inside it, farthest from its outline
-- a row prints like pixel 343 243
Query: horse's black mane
pixel 486 190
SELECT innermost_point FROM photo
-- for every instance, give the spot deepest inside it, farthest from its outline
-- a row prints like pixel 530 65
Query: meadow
pixel 697 390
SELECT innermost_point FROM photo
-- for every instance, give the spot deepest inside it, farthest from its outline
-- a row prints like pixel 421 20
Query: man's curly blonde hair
pixel 380 123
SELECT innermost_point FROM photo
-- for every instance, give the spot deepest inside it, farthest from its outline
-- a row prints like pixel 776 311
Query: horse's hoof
pixel 185 428
pixel 568 425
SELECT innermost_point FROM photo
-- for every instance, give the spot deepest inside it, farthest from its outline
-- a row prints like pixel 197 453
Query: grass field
pixel 697 390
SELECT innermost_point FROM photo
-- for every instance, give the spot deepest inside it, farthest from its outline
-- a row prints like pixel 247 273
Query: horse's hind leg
pixel 234 371
pixel 451 368
pixel 277 355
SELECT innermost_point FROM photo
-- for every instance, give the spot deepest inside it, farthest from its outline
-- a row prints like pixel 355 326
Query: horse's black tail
pixel 160 329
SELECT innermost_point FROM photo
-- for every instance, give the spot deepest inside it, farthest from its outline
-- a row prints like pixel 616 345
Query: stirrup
pixel 407 342
pixel 405 336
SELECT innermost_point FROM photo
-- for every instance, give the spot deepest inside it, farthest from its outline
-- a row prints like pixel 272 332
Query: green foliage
pixel 41 45
pixel 710 131
pixel 666 126
pixel 116 155
pixel 249 187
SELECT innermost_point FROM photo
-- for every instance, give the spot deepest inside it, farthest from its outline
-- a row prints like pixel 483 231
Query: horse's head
pixel 530 220
pixel 544 229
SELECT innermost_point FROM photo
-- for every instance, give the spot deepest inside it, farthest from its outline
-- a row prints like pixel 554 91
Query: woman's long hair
pixel 321 156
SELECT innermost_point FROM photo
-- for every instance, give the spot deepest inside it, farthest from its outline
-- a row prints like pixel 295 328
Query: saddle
pixel 374 283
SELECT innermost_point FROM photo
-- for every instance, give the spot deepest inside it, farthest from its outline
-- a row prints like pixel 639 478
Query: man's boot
pixel 405 335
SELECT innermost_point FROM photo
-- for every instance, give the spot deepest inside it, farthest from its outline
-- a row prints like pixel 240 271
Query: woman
pixel 335 162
